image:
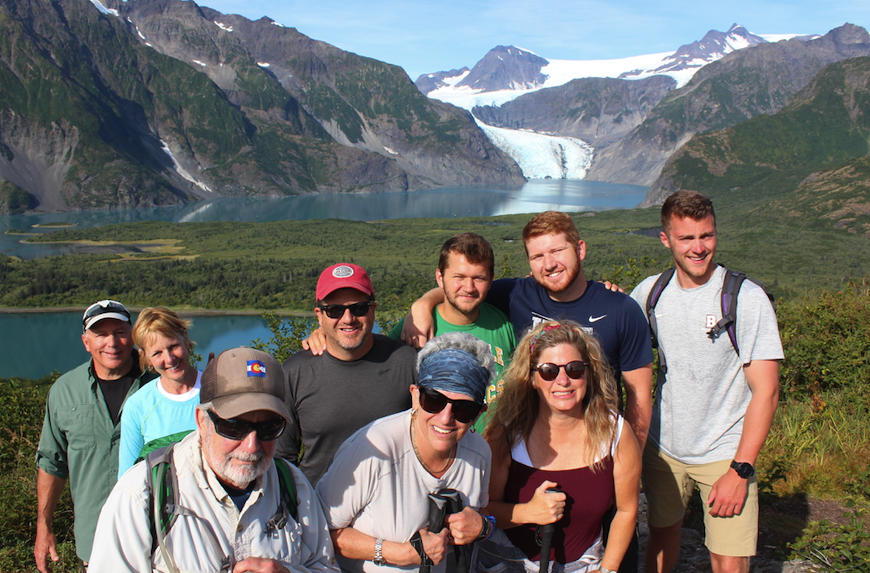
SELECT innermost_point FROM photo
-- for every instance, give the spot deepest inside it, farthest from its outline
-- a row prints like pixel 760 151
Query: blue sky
pixel 439 35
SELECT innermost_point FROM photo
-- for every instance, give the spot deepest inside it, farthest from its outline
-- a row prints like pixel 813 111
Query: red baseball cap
pixel 343 275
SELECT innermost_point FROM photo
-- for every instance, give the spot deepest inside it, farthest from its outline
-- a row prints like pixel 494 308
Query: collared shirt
pixel 209 530
pixel 80 442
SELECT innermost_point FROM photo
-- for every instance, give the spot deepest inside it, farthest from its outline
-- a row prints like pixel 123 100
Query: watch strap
pixel 743 469
pixel 379 552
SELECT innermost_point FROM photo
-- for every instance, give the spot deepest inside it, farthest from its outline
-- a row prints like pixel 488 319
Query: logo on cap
pixel 256 369
pixel 342 272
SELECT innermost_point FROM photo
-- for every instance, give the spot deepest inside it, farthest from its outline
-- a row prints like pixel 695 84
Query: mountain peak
pixel 506 67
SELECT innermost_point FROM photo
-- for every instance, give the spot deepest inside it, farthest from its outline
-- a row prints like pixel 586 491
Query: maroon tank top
pixel 590 496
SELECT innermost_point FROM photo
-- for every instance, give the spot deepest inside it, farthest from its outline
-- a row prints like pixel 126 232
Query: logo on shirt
pixel 596 318
pixel 711 320
pixel 256 369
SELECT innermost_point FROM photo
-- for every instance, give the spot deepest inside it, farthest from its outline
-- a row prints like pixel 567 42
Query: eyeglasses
pixel 464 411
pixel 238 430
pixel 104 307
pixel 337 310
pixel 549 371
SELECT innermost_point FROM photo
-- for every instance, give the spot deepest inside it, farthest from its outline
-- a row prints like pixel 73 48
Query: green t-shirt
pixel 494 328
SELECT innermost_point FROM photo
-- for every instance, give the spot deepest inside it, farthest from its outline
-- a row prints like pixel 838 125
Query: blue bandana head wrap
pixel 454 370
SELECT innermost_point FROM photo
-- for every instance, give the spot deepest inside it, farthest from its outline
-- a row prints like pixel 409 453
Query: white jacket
pixel 123 540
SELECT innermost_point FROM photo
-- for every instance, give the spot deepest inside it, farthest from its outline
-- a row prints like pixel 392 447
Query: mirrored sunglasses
pixel 337 310
pixel 238 430
pixel 464 411
pixel 549 371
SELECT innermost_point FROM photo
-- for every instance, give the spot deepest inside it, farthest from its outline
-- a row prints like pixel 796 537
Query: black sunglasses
pixel 549 371
pixel 238 430
pixel 464 411
pixel 337 310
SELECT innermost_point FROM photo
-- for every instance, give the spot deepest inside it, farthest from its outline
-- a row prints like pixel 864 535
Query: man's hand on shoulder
pixel 612 287
pixel 316 342
pixel 728 495
pixel 259 565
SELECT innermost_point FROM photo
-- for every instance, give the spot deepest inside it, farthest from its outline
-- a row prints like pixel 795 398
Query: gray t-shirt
pixel 378 486
pixel 330 399
pixel 701 402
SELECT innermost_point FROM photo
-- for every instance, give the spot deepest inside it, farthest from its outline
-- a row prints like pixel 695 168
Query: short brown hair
pixel 472 246
pixel 159 320
pixel 551 223
pixel 684 204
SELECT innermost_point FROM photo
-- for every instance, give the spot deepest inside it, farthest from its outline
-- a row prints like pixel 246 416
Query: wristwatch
pixel 379 553
pixel 743 469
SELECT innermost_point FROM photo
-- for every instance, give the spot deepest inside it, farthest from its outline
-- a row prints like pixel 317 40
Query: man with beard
pixel 359 378
pixel 558 290
pixel 466 266
pixel 230 510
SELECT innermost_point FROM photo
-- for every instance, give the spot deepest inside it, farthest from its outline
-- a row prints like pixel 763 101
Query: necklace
pixel 417 452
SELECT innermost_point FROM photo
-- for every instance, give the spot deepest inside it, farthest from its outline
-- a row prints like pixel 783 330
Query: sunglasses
pixel 104 307
pixel 238 430
pixel 464 411
pixel 549 371
pixel 337 310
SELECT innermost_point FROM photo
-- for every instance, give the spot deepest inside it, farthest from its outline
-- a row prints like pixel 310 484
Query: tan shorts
pixel 669 485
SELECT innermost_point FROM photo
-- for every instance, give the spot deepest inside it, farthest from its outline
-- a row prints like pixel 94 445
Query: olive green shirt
pixel 79 442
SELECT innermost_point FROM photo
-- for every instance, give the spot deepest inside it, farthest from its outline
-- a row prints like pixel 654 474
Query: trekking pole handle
pixel 546 534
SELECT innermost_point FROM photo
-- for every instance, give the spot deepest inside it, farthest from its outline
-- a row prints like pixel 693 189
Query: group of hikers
pixel 514 440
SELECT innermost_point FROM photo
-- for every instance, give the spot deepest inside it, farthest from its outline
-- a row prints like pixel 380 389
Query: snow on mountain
pixel 542 156
pixel 692 57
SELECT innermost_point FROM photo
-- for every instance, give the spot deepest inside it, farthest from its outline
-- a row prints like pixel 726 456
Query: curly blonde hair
pixel 516 409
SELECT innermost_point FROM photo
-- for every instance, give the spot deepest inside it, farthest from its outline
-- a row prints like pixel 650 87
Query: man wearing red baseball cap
pixel 361 377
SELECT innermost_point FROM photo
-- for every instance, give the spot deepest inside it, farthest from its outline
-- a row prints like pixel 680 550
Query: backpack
pixel 728 302
pixel 163 484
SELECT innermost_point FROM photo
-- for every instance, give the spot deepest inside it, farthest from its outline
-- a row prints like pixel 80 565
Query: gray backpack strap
pixel 651 301
pixel 163 485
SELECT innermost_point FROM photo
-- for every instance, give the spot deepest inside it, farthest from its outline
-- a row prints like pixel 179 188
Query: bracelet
pixel 487 529
pixel 417 544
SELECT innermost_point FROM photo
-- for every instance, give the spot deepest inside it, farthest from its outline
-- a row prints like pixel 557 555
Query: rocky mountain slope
pixel 813 156
pixel 151 102
pixel 596 110
pixel 742 85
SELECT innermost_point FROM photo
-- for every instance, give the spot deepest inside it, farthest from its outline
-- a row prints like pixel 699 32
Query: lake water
pixel 566 195
pixel 34 344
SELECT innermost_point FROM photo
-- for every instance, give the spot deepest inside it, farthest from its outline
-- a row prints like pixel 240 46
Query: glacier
pixel 540 155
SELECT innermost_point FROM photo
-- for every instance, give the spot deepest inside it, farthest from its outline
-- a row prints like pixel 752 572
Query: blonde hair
pixel 159 320
pixel 516 409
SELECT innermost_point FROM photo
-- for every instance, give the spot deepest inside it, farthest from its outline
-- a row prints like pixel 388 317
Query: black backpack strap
pixel 728 302
pixel 289 501
pixel 651 301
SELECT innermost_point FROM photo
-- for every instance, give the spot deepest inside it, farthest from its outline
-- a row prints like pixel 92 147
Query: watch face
pixel 744 470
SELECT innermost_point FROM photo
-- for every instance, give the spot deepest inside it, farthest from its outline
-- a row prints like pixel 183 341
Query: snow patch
pixel 781 37
pixel 200 63
pixel 102 8
pixel 222 26
pixel 182 171
pixel 542 156
pixel 277 24
pixel 558 72
pixel 262 64
pixel 390 151
pixel 140 33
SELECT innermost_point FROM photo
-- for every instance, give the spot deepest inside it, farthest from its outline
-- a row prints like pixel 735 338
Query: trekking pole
pixel 545 538
pixel 437 513
pixel 461 553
